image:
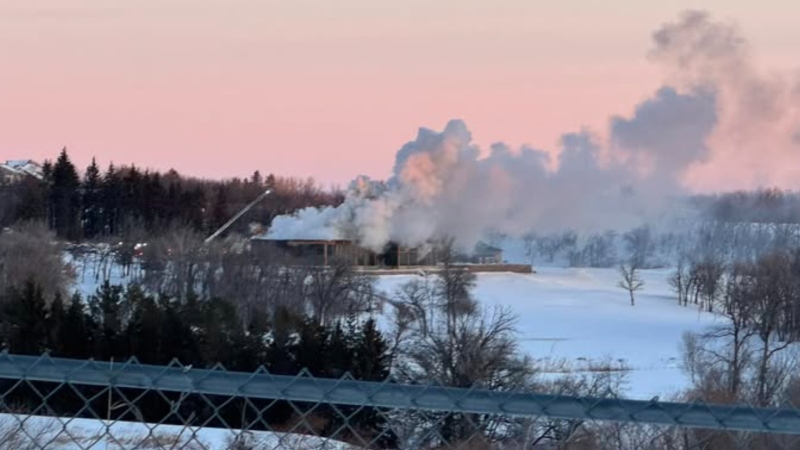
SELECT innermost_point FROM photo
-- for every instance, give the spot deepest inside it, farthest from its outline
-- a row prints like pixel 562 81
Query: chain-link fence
pixel 69 404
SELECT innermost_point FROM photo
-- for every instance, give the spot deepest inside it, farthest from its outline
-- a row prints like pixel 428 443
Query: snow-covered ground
pixel 574 319
pixel 20 431
pixel 569 320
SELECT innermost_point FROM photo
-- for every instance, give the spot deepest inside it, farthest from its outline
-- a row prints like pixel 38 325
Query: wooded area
pixel 208 303
pixel 126 201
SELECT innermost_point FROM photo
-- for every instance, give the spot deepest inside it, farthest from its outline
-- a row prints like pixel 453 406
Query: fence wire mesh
pixel 50 403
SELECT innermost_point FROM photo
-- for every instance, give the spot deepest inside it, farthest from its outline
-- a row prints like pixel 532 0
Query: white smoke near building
pixel 444 186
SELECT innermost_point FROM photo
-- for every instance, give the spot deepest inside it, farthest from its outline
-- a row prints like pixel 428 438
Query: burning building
pixel 323 252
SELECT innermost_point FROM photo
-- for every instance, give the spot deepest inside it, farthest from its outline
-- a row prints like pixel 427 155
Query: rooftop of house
pixel 483 249
pixel 304 241
pixel 314 235
pixel 24 167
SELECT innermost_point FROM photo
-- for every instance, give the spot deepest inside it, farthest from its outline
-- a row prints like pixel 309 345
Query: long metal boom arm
pixel 237 216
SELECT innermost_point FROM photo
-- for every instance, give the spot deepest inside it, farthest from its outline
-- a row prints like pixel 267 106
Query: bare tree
pixel 774 288
pixel 453 289
pixel 720 356
pixel 598 251
pixel 442 336
pixel 174 262
pixel 547 432
pixel 630 279
pixel 680 281
pixel 706 276
pixel 745 357
pixel 339 291
pixel 31 252
pixel 529 241
pixel 640 245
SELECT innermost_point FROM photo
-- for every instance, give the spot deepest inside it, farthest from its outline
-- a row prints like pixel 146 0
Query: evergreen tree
pixel 47 171
pixel 25 320
pixel 74 334
pixel 56 315
pixel 33 200
pixel 220 331
pixel 254 351
pixel 193 208
pixel 92 210
pixel 155 211
pixel 371 358
pixel 340 352
pixel 107 316
pixel 311 349
pixel 143 331
pixel 280 358
pixel 132 203
pixel 111 201
pixel 179 341
pixel 371 362
pixel 172 206
pixel 64 198
pixel 219 212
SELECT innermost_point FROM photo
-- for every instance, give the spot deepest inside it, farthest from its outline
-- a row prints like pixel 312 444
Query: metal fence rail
pixel 262 385
pixel 45 376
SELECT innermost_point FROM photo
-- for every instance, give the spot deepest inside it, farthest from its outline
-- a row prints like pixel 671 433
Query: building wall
pixel 492 258
pixel 8 176
pixel 325 252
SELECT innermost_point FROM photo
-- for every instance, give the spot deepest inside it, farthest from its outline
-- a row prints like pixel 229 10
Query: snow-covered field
pixel 578 319
pixel 569 320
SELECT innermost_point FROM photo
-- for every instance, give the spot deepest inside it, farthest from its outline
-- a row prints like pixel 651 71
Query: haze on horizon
pixel 310 88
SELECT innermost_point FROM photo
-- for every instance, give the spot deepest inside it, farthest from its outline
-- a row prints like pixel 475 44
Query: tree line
pixel 750 355
pixel 118 323
pixel 768 286
pixel 767 205
pixel 242 309
pixel 122 200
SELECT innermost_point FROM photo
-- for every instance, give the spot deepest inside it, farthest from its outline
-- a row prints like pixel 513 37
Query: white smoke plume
pixel 713 116
pixel 755 143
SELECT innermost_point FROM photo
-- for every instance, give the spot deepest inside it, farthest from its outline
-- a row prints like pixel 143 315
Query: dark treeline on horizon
pixel 765 206
pixel 126 201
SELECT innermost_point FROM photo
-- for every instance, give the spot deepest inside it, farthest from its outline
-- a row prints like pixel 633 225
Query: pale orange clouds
pixel 326 89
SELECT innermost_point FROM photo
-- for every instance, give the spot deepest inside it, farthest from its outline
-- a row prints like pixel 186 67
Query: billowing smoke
pixel 755 141
pixel 717 115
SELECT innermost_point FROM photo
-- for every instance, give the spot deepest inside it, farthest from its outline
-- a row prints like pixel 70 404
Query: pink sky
pixel 329 89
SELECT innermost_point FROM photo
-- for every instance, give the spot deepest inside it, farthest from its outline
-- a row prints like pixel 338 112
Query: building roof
pixel 8 169
pixel 484 249
pixel 24 167
pixel 303 241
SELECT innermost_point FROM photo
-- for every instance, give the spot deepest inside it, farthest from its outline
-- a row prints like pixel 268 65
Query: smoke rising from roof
pixel 716 114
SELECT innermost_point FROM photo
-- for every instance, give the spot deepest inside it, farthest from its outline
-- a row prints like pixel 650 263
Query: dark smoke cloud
pixel 715 117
